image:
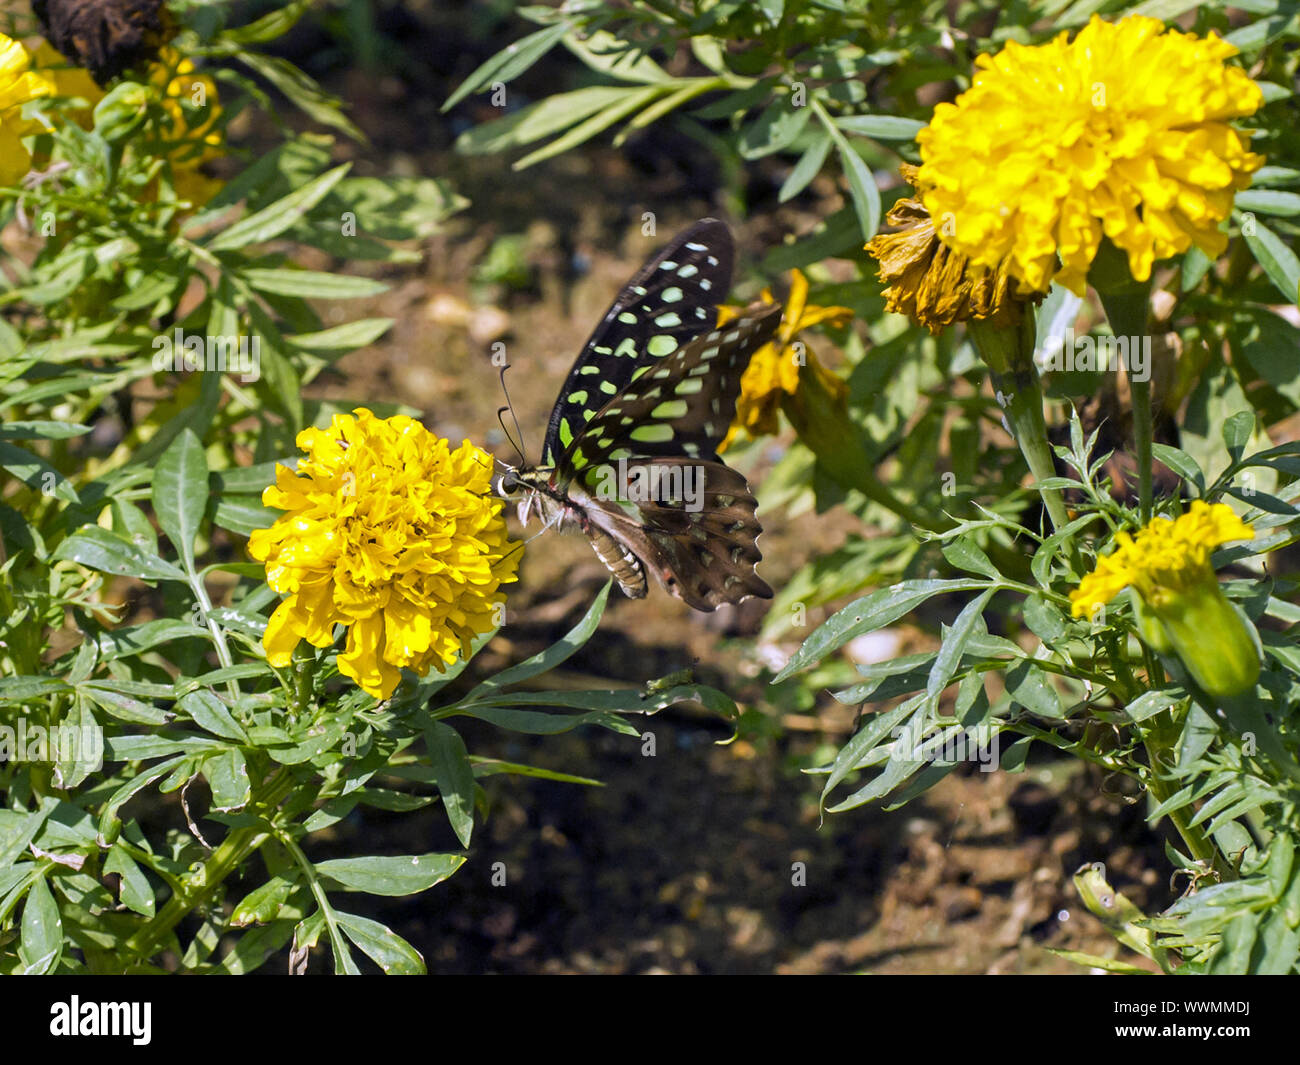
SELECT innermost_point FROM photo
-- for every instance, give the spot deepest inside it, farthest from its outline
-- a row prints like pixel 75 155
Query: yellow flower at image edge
pixel 19 83
pixel 392 534
pixel 776 370
pixel 1122 132
pixel 1182 607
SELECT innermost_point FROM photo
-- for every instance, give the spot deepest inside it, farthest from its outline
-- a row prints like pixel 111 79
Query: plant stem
pixel 1127 303
pixel 198 887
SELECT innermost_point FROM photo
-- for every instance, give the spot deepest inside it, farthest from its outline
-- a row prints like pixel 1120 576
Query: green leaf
pixel 949 656
pixel 101 550
pixel 808 167
pixel 1268 201
pixel 301 89
pixel 510 62
pixel 1237 431
pixel 262 904
pixel 41 945
pixel 41 430
pixel 390 952
pixel 552 656
pixel 208 712
pixel 311 284
pixel 633 100
pixel 227 776
pixel 35 472
pixel 537 723
pixel 105 694
pixel 881 127
pixel 868 614
pixel 273 220
pixel 1182 464
pixel 17 830
pixel 964 554
pixel 346 337
pixel 454 777
pixel 1043 619
pixel 244 516
pixel 775 128
pixel 180 493
pixel 1029 686
pixel 136 894
pixel 862 187
pixel 540 120
pixel 1278 261
pixel 1148 704
pixel 405 874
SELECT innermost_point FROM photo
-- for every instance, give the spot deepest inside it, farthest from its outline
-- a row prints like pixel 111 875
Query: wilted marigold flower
pixel 1168 565
pixel 934 285
pixel 392 534
pixel 19 83
pixel 1122 131
pixel 776 370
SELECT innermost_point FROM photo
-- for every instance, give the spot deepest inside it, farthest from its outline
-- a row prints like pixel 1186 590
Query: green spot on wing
pixel 670 408
pixel 652 434
pixel 566 434
pixel 661 345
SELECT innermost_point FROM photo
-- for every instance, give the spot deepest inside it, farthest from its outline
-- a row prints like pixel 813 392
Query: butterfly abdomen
pixel 624 565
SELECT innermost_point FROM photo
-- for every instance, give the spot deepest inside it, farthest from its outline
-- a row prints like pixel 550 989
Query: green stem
pixel 1127 303
pixel 198 887
pixel 1159 741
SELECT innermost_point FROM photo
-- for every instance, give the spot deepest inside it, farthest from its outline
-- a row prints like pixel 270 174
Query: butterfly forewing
pixel 681 405
pixel 667 304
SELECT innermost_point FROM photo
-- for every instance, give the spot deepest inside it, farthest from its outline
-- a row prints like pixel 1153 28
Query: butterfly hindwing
pixel 698 533
pixel 681 405
pixel 670 301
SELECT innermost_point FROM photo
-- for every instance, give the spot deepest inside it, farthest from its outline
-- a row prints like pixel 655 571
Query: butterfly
pixel 630 457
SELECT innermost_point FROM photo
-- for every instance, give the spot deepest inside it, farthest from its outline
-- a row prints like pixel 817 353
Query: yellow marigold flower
pixel 1122 131
pixel 19 83
pixel 188 148
pixel 68 80
pixel 932 284
pixel 392 534
pixel 1168 565
pixel 777 369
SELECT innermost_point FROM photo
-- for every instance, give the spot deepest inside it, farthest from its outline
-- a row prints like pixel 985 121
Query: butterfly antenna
pixel 519 447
